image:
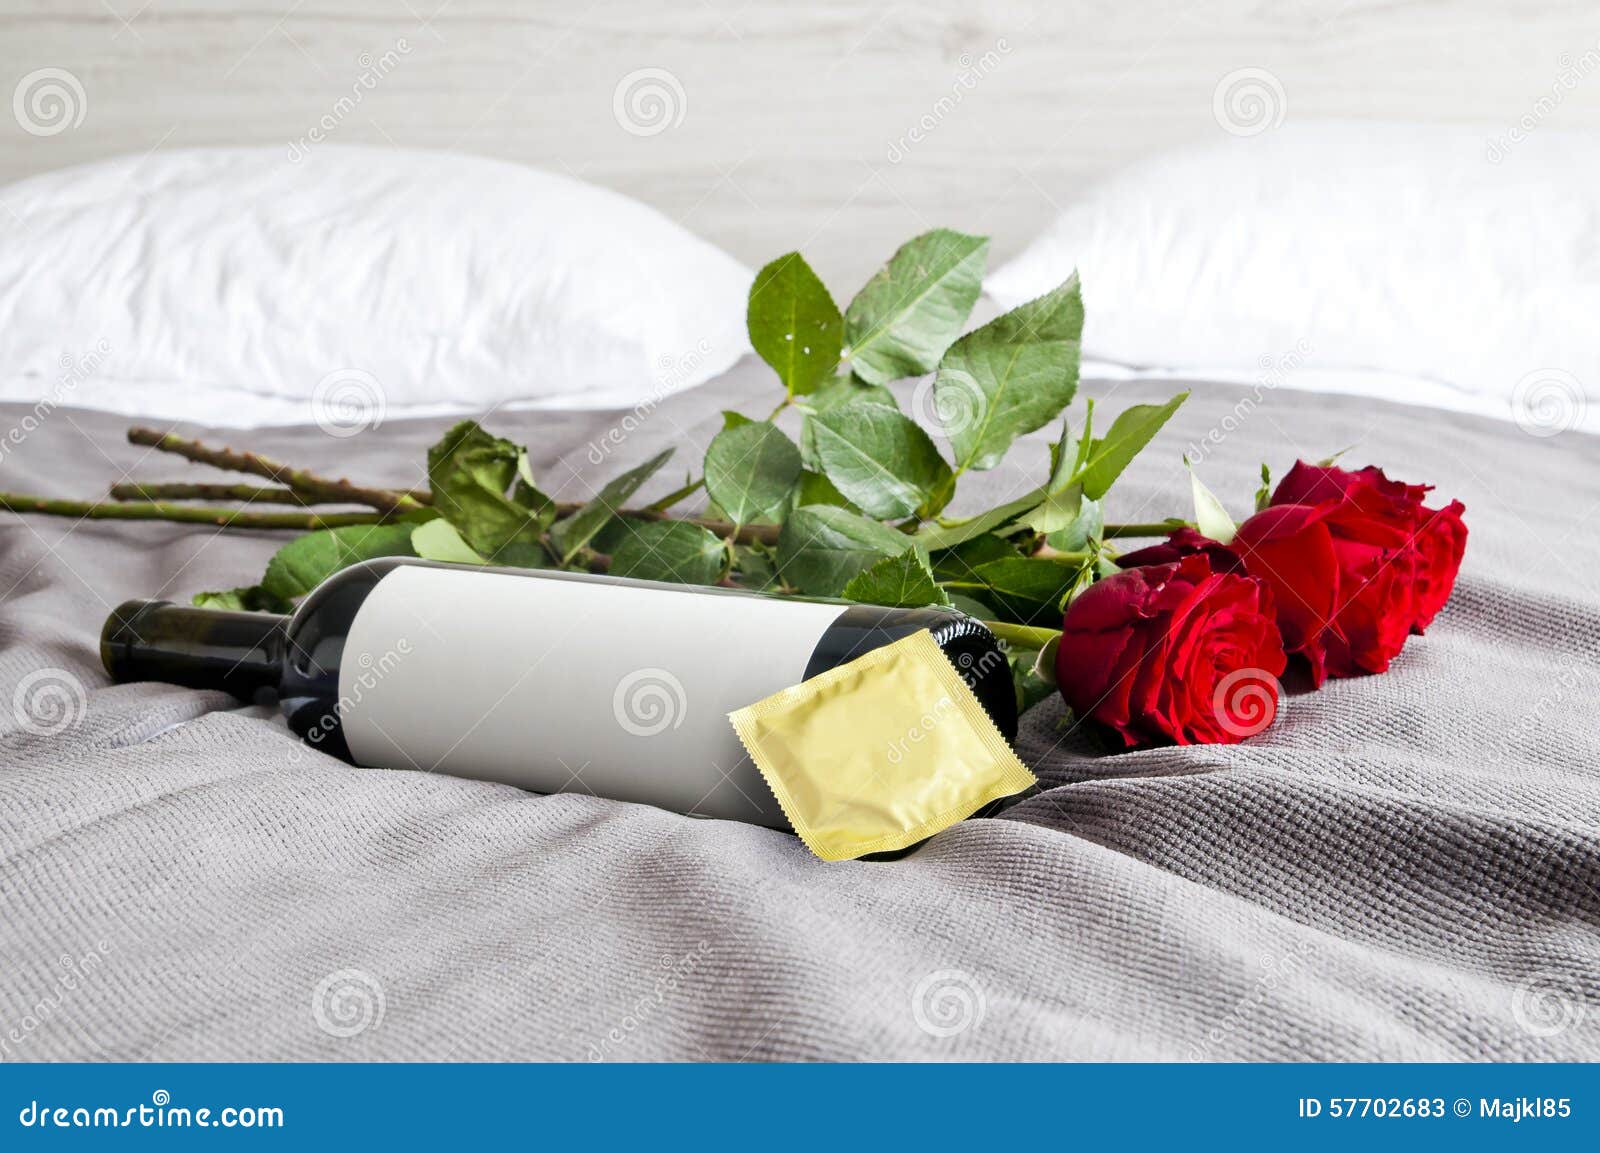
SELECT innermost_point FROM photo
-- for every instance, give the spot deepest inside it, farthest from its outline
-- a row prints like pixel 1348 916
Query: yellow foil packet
pixel 880 753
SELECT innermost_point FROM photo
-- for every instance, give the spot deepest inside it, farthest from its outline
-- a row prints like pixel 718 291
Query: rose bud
pixel 1173 652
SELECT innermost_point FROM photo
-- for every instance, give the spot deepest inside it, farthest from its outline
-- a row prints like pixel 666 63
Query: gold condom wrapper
pixel 880 753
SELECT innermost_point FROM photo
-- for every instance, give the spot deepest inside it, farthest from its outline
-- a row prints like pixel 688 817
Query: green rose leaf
pixel 1011 376
pixel 905 317
pixel 881 460
pixel 469 472
pixel 754 567
pixel 670 550
pixel 843 390
pixel 846 390
pixel 305 562
pixel 751 471
pixel 822 547
pixel 933 537
pixel 815 488
pixel 1130 432
pixel 440 540
pixel 961 562
pixel 903 581
pixel 794 324
pixel 253 599
pixel 568 536
pixel 1028 590
pixel 1082 532
pixel 1063 497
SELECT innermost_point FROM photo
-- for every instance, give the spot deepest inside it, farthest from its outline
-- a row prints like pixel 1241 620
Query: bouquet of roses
pixel 1186 643
pixel 1180 642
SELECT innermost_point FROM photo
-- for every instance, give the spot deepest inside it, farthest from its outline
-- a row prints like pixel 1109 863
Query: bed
pixel 1403 867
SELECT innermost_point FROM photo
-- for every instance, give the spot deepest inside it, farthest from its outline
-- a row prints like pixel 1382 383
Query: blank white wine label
pixel 557 683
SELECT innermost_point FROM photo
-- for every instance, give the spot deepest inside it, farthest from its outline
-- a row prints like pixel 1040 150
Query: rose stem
pixel 243 493
pixel 1113 531
pixel 182 513
pixel 318 488
pixel 1022 636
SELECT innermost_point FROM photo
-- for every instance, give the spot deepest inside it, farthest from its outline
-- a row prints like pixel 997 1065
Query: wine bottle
pixel 550 681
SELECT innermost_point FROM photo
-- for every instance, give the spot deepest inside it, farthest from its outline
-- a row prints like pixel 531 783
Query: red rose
pixel 1437 537
pixel 1173 652
pixel 1356 563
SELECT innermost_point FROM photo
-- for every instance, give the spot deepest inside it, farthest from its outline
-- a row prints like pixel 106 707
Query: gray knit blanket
pixel 1404 867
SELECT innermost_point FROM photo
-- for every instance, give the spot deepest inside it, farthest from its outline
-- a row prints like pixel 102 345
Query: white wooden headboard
pixel 765 125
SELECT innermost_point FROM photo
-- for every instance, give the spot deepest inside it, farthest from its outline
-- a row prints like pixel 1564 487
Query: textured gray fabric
pixel 1406 866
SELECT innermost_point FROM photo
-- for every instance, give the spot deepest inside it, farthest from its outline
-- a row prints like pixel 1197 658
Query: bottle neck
pixel 239 652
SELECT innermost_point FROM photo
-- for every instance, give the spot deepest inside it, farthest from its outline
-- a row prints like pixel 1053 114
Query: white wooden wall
pixel 788 123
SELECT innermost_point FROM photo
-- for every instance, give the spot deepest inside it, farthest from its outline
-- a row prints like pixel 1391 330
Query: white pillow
pixel 1451 254
pixel 241 286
